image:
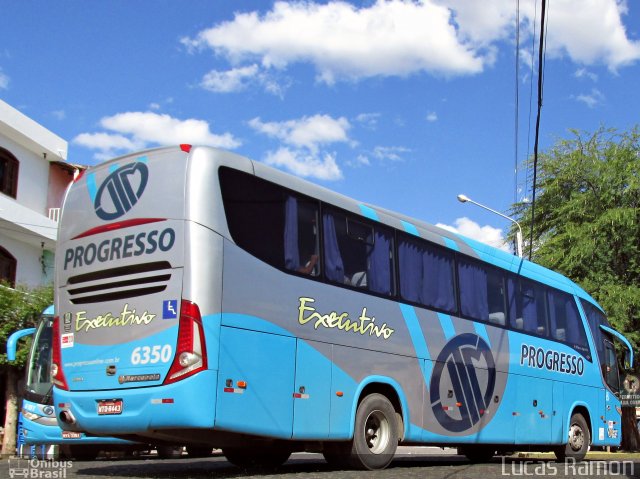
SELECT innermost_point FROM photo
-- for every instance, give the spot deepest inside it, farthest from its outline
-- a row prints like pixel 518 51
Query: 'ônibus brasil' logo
pixel 121 190
pixel 462 383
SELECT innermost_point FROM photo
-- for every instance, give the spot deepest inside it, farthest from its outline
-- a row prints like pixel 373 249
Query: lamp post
pixel 519 252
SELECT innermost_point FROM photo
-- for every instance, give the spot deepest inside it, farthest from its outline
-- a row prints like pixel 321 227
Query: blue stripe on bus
pixel 410 228
pixel 368 212
pixel 482 331
pixel 417 338
pixel 92 187
pixel 451 244
pixel 143 159
pixel 113 167
pixel 447 325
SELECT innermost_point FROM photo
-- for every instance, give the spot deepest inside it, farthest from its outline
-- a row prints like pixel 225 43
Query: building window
pixel 8 173
pixel 7 267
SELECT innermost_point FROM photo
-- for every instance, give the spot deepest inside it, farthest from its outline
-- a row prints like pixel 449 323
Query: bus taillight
pixel 191 352
pixel 57 375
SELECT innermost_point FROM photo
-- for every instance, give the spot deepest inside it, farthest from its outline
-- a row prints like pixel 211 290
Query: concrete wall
pixel 28 268
pixel 33 176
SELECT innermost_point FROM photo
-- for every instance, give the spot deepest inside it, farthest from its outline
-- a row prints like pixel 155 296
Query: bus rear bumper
pixel 36 434
pixel 189 403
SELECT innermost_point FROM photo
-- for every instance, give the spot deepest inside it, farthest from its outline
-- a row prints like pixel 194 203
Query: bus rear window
pixel 271 223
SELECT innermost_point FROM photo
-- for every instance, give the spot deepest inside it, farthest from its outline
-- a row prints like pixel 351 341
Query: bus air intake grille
pixel 119 283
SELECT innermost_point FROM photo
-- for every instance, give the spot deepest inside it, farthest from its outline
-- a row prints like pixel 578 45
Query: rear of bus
pixel 138 288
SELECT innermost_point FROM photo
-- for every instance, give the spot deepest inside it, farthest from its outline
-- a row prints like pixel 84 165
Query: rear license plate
pixel 110 407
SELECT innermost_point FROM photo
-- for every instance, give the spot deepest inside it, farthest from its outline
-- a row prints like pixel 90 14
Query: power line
pixel 517 106
pixel 533 56
pixel 537 137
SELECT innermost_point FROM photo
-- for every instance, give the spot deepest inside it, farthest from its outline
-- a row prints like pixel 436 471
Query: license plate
pixel 110 407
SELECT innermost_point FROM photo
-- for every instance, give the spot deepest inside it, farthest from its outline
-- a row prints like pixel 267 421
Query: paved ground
pixel 423 463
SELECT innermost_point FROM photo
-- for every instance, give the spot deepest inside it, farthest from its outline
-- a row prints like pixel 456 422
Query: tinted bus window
pixel 564 321
pixel 595 318
pixel 270 223
pixel 482 292
pixel 527 306
pixel 301 236
pixel 426 274
pixel 357 253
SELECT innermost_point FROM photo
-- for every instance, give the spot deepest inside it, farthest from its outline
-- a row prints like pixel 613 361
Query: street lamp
pixel 519 251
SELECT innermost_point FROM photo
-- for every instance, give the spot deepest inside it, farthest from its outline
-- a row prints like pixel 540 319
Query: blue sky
pixel 403 104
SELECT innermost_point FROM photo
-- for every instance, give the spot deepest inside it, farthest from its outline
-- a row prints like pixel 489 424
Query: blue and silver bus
pixel 39 427
pixel 205 298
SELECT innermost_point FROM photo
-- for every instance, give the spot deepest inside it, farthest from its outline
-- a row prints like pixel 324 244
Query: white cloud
pixel 432 116
pixel 308 132
pixel 360 160
pixel 138 130
pixel 241 78
pixel 59 114
pixel 368 120
pixel 344 41
pixel 306 137
pixel 592 99
pixel 300 162
pixel 591 32
pixel 405 37
pixel 584 73
pixel 485 234
pixel 106 141
pixel 390 153
pixel 233 80
pixel 4 80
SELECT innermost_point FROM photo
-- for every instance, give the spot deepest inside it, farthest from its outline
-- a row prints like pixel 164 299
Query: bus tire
pixel 169 451
pixel 259 456
pixel 578 440
pixel 375 437
pixel 477 453
pixel 199 451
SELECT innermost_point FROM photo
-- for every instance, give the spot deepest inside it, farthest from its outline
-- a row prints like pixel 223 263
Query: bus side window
pixel 610 372
pixel 301 236
pixel 426 274
pixel 357 254
pixel 481 292
pixel 564 320
pixel 527 306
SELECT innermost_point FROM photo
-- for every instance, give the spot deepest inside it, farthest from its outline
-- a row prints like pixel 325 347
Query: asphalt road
pixel 423 463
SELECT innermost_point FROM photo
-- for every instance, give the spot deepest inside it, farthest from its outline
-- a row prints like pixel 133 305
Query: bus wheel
pixel 477 453
pixel 578 440
pixel 375 437
pixel 259 456
pixel 169 451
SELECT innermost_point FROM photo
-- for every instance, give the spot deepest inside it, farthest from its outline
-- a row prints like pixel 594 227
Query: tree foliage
pixel 587 219
pixel 19 309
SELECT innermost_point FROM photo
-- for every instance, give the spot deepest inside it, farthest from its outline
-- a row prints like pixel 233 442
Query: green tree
pixel 19 309
pixel 587 226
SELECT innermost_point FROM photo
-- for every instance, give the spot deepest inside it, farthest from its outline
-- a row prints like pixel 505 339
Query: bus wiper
pixel 47 397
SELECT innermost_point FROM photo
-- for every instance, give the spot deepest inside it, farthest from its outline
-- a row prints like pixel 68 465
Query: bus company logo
pixel 121 190
pixel 465 373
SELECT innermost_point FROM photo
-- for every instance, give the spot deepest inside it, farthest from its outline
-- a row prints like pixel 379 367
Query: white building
pixel 34 175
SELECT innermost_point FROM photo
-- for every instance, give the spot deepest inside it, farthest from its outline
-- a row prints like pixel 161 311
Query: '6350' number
pixel 151 354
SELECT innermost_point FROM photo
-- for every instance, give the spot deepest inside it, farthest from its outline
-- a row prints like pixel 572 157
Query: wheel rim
pixel 576 438
pixel 377 432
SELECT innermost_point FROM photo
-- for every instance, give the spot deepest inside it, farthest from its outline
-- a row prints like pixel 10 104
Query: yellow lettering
pixel 333 320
